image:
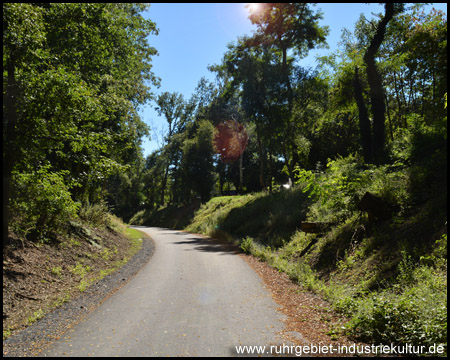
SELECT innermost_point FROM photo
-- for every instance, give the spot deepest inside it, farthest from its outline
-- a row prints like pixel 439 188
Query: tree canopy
pixel 75 75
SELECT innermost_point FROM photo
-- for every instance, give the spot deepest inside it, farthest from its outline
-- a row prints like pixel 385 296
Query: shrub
pixel 41 203
pixel 337 191
pixel 247 245
pixel 417 316
pixel 414 311
pixel 94 214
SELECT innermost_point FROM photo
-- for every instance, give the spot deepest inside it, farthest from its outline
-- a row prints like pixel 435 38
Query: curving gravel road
pixel 195 297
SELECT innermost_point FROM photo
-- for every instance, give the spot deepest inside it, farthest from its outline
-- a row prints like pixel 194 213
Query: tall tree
pixel 376 86
pixel 288 26
pixel 196 166
pixel 172 106
pixel 364 122
pixel 75 75
pixel 23 39
pixel 256 75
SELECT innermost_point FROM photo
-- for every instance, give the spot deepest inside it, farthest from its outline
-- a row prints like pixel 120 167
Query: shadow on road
pixel 201 244
pixel 208 245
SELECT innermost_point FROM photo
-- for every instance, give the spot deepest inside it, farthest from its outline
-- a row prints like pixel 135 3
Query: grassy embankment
pixel 389 277
pixel 39 277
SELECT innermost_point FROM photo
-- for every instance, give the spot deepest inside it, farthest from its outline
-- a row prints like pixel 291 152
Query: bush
pixel 247 245
pixel 41 203
pixel 337 191
pixel 94 214
pixel 414 311
pixel 416 317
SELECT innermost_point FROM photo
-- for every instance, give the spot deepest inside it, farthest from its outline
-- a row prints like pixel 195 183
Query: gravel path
pixel 34 339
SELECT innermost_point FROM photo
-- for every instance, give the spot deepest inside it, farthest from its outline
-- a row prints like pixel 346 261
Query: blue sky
pixel 193 36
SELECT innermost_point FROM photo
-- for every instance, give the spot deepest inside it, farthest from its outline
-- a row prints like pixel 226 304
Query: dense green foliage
pixel 388 278
pixel 300 118
pixel 73 75
pixel 370 118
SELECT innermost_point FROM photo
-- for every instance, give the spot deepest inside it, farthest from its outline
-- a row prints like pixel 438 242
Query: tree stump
pixel 376 207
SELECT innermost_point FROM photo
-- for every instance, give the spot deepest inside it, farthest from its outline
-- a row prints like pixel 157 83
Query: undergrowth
pixel 388 278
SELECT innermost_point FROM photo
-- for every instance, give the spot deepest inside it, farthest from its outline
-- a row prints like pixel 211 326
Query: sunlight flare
pixel 253 7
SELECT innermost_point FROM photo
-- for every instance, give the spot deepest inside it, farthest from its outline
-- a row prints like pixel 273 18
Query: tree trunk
pixel 399 103
pixel 221 169
pixel 391 129
pixel 163 185
pixel 241 173
pixel 376 86
pixel 9 141
pixel 261 164
pixel 364 123
pixel 285 68
pixel 270 170
pixel 288 163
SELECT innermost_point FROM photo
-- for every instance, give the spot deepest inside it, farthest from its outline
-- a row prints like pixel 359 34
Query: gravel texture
pixel 32 340
pixel 309 319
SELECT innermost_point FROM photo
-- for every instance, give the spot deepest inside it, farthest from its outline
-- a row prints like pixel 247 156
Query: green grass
pixel 174 217
pixel 135 237
pixel 389 278
pixel 269 218
pixel 134 234
pixel 371 274
pixel 39 314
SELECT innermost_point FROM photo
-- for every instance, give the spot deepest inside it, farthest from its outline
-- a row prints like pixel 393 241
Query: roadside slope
pixel 72 276
pixel 354 264
pixel 195 297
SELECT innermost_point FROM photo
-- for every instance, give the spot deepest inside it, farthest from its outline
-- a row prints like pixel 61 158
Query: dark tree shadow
pixel 208 245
